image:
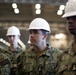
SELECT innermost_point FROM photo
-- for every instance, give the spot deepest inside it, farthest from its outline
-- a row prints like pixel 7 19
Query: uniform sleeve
pixel 5 70
pixel 4 64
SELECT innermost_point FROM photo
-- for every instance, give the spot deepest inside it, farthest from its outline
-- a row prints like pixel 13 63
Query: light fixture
pixel 16 11
pixel 14 5
pixel 38 11
pixel 37 6
pixel 61 7
pixel 59 12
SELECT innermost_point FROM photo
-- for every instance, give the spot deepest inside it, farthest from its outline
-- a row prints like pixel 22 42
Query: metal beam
pixel 53 2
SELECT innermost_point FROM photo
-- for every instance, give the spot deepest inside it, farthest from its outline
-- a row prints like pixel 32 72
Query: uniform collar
pixel 46 51
pixel 18 49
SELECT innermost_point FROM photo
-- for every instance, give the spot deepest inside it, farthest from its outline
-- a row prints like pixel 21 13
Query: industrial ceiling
pixel 49 10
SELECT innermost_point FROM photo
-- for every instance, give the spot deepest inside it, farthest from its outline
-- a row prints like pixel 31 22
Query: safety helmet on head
pixel 70 9
pixel 39 23
pixel 13 30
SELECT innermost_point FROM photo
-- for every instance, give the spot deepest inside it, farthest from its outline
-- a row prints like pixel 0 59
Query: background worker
pixel 14 50
pixel 67 63
pixel 4 63
pixel 40 59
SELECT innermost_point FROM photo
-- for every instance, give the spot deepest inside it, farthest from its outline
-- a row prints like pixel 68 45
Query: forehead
pixel 33 30
pixel 12 35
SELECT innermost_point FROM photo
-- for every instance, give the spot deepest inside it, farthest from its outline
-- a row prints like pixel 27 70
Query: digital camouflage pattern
pixel 67 63
pixel 4 63
pixel 15 63
pixel 44 64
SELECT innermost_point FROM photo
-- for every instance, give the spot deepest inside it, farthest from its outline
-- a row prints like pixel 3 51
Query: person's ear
pixel 45 36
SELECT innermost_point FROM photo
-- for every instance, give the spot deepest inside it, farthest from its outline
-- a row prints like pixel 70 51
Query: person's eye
pixel 35 31
pixel 74 17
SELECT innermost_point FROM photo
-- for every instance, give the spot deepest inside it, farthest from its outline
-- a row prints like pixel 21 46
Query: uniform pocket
pixel 63 66
pixel 50 67
pixel 29 64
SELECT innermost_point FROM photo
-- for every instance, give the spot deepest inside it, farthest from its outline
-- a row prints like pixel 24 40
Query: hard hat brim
pixel 36 29
pixel 13 34
pixel 69 14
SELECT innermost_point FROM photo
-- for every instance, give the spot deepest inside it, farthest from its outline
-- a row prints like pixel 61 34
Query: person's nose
pixel 11 37
pixel 70 20
pixel 31 35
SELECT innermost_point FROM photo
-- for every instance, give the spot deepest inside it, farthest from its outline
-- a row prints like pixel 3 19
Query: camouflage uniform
pixel 15 67
pixel 44 64
pixel 67 63
pixel 4 63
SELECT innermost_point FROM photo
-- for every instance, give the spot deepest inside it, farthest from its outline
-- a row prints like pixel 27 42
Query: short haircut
pixel 45 31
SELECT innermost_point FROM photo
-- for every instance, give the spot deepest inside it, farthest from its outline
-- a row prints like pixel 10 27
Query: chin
pixel 32 44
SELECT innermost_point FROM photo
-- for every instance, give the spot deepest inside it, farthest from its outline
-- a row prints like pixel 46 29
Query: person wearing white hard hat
pixel 67 62
pixel 40 59
pixel 13 34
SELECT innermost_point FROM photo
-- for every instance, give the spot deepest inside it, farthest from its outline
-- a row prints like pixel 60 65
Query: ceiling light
pixel 38 11
pixel 14 5
pixel 1 39
pixel 59 12
pixel 61 7
pixel 16 11
pixel 37 6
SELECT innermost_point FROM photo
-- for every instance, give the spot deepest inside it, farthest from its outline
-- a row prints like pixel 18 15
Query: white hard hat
pixel 39 23
pixel 70 9
pixel 13 30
